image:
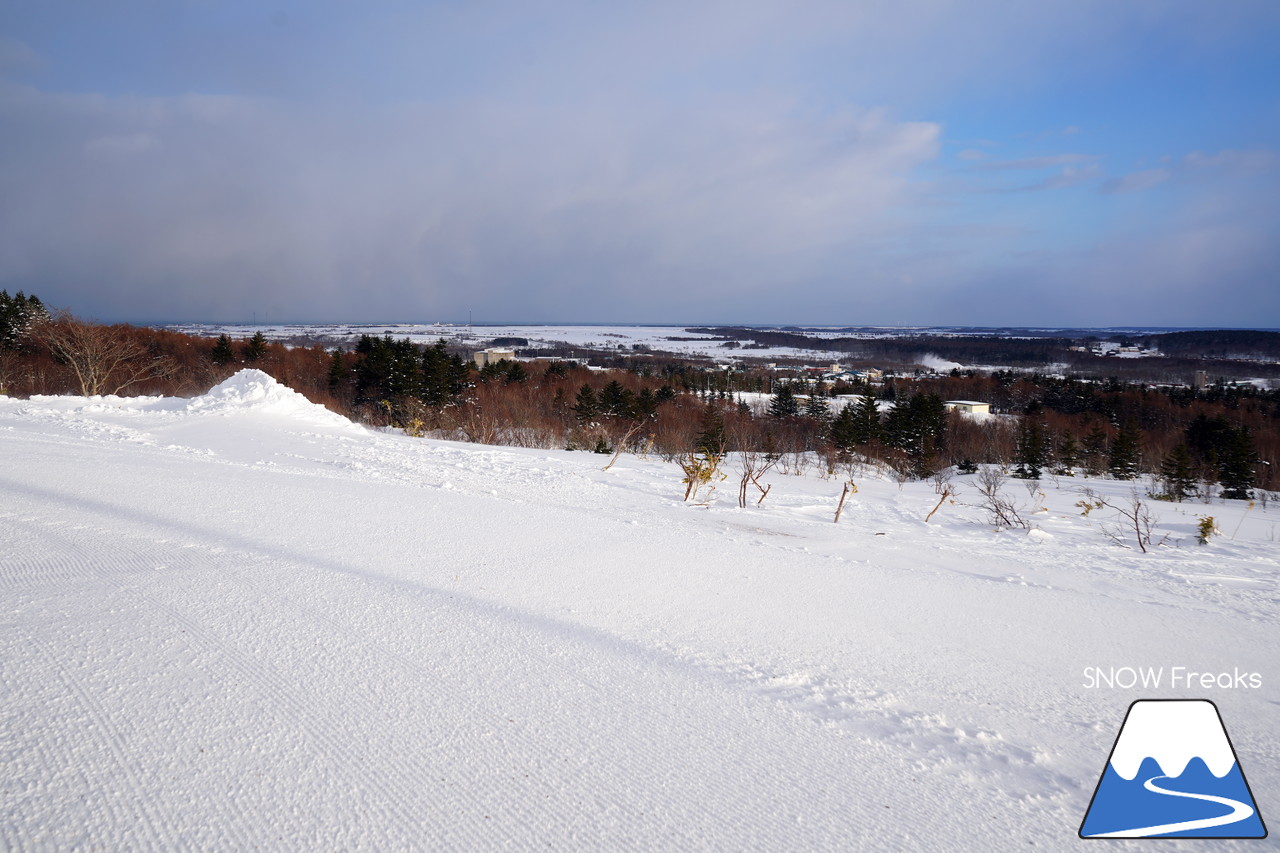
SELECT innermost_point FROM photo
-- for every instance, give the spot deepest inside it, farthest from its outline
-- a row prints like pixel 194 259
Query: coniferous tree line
pixel 18 314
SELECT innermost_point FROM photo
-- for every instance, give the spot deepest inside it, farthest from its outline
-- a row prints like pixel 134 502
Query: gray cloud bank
pixel 705 162
pixel 221 206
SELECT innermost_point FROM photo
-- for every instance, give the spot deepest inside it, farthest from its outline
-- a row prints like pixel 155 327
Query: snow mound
pixel 253 390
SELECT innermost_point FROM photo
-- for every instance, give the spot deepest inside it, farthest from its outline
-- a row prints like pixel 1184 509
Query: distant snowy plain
pixel 669 339
pixel 240 621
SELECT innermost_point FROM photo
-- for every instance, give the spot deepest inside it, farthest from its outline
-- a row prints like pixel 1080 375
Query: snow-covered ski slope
pixel 242 622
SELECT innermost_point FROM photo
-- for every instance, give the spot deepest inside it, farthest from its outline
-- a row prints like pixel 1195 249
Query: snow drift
pixel 252 390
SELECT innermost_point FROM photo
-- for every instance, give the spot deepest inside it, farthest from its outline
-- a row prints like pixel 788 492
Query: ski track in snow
pixel 245 628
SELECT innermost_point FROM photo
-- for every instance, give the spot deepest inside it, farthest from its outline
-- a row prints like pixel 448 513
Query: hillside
pixel 239 620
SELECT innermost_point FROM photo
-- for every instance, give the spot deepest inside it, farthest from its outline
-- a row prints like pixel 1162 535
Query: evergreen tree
pixel 388 370
pixel 1178 473
pixel 515 373
pixel 1031 444
pixel 711 440
pixel 494 370
pixel 615 401
pixel 1095 449
pixel 1208 438
pixel 256 347
pixel 223 353
pixel 1068 456
pixel 444 375
pixel 337 370
pixel 1236 465
pixel 1123 461
pixel 784 403
pixel 585 407
pixel 917 426
pixel 899 428
pixel 866 421
pixel 646 404
pixel 665 394
pixel 18 313
pixel 844 435
pixel 815 408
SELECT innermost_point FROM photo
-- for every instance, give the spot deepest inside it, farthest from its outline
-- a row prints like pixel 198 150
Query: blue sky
pixel 1056 163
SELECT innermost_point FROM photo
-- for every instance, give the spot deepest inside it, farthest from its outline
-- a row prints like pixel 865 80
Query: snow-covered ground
pixel 668 339
pixel 625 338
pixel 240 621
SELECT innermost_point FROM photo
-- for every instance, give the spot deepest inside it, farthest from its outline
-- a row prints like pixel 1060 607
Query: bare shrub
pixel 701 470
pixel 622 443
pixel 849 489
pixel 1036 494
pixel 103 359
pixel 1001 510
pixel 478 425
pixel 947 494
pixel 1133 515
pixel 754 466
pixel 9 365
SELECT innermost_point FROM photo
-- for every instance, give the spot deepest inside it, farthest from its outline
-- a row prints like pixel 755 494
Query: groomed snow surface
pixel 242 622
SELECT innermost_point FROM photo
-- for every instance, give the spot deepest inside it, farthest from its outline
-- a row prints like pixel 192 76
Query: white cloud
pixel 1070 176
pixel 1197 166
pixel 1137 181
pixel 1255 161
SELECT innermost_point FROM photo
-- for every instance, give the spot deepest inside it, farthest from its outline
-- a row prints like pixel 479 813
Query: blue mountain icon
pixel 1172 774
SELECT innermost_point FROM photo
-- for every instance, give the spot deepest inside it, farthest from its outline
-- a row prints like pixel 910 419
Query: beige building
pixel 493 355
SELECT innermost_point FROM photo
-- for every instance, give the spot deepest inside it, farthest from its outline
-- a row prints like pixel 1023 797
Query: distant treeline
pixel 1223 434
pixel 1236 354
pixel 1220 343
pixel 965 350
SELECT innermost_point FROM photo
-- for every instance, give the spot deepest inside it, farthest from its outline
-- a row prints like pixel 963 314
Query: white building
pixel 972 407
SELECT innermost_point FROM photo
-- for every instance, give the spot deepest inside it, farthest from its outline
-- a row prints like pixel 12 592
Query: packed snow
pixel 242 621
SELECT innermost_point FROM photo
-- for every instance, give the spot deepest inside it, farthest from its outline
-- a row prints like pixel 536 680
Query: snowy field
pixel 593 337
pixel 240 621
pixel 603 337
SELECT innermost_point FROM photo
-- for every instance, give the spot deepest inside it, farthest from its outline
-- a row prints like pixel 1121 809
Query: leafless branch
pixel 849 488
pixel 104 359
